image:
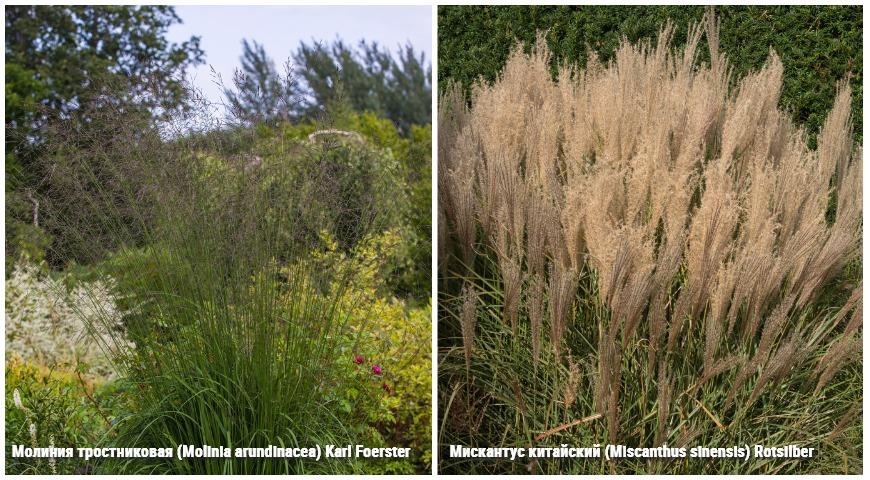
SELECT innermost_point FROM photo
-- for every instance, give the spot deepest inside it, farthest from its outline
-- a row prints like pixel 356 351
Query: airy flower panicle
pixel 16 397
pixel 33 442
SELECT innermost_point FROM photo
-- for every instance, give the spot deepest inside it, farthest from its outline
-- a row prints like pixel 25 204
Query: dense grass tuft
pixel 241 320
pixel 641 254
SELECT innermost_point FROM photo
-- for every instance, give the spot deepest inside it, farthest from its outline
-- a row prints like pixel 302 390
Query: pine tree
pixel 261 94
pixel 371 78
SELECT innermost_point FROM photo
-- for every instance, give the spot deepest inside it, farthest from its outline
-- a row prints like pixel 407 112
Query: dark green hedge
pixel 817 45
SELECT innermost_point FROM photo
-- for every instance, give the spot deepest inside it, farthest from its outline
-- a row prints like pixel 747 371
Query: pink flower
pixel 358 359
pixel 376 369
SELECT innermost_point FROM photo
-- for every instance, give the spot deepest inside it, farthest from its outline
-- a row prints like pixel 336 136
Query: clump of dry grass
pixel 675 216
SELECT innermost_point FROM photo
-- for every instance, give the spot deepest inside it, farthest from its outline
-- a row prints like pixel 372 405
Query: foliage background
pixel 818 45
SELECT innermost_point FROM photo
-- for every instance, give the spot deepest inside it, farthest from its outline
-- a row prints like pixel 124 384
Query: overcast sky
pixel 281 28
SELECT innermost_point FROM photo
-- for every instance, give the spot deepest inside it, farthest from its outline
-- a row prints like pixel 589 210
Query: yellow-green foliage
pixel 65 411
pixel 410 186
pixel 384 332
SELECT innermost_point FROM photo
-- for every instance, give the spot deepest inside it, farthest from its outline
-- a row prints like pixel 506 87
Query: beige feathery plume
pixel 721 366
pixel 773 327
pixel 835 139
pixel 663 399
pixel 839 354
pixel 563 287
pixel 535 301
pixel 459 193
pixel 668 265
pixel 512 278
pixel 786 357
pixel 714 324
pixel 536 216
pixel 468 317
pixel 855 304
pixel 853 413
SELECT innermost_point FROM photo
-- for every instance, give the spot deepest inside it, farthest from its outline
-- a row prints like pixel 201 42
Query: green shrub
pixel 398 166
pixel 393 407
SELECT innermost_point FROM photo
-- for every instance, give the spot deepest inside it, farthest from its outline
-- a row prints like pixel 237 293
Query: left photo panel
pixel 218 240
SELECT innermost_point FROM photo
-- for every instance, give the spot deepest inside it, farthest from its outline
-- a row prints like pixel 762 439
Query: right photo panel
pixel 649 240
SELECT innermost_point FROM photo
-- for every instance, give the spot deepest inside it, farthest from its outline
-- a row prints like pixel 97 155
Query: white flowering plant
pixel 54 325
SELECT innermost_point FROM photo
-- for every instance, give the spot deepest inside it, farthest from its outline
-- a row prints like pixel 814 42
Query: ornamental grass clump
pixel 656 237
pixel 236 322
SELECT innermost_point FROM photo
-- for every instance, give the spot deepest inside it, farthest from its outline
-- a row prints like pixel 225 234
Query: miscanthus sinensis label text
pixel 736 452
